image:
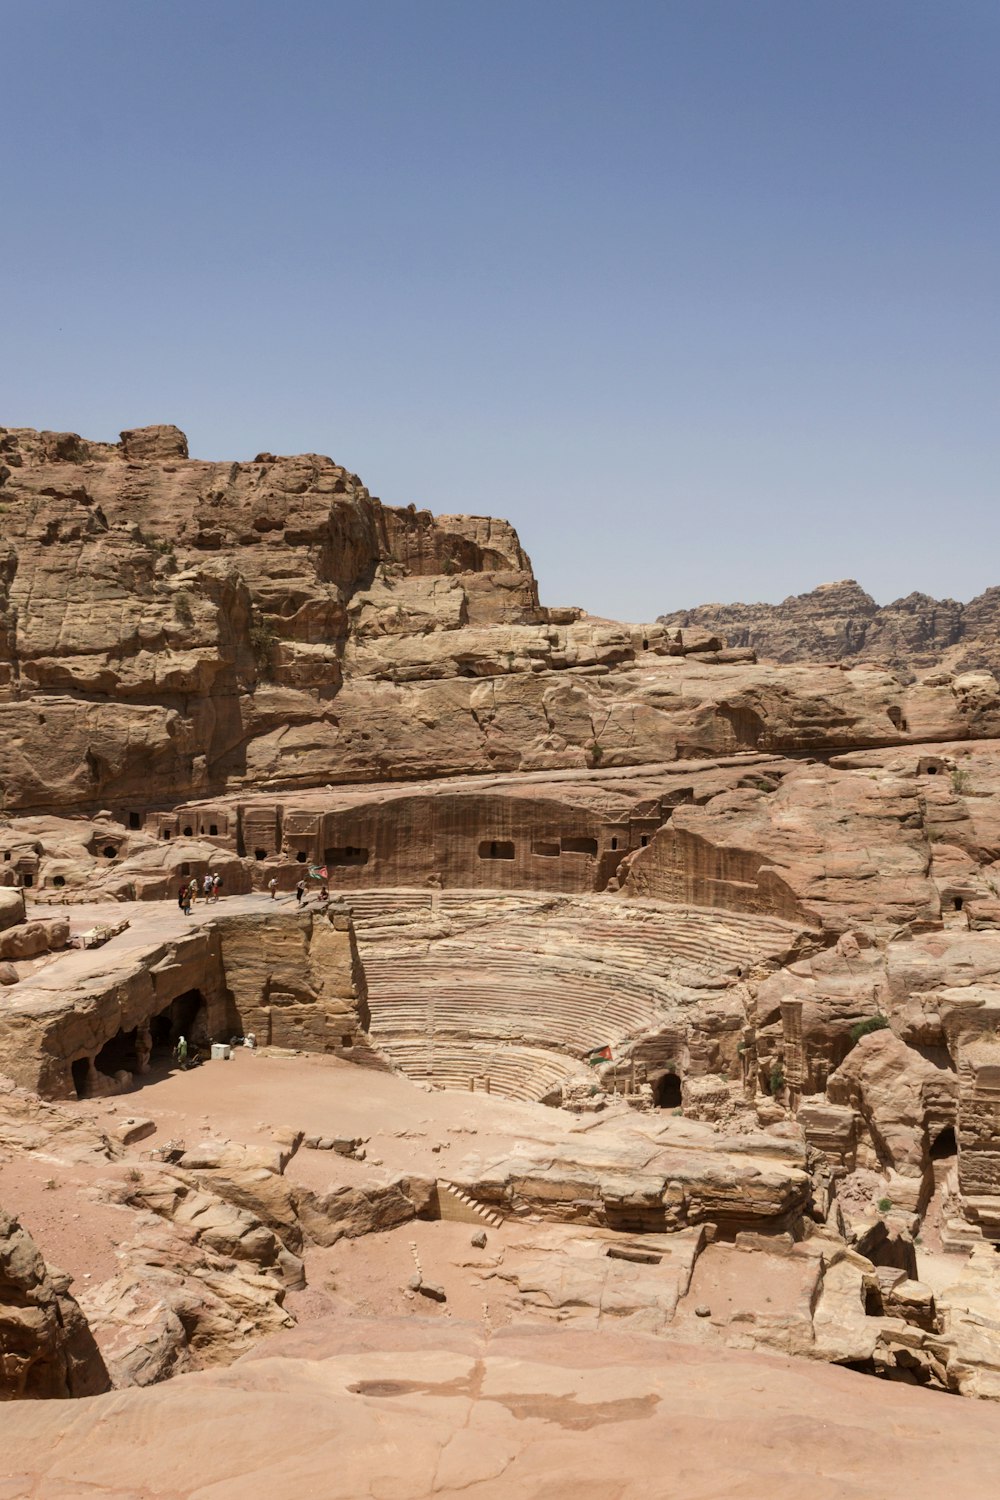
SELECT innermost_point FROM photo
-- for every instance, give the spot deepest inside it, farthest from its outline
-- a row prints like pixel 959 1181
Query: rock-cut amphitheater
pixel 596 1027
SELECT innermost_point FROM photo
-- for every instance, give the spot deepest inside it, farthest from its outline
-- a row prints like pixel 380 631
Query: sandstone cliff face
pixel 297 983
pixel 211 599
pixel 172 628
pixel 828 848
pixel 840 622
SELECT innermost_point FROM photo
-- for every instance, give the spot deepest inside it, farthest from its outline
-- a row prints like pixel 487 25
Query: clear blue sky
pixel 701 294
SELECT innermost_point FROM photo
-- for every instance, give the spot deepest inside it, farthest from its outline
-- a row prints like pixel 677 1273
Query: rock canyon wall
pixel 172 628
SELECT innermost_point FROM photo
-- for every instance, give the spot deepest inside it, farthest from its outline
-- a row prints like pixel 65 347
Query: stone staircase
pixel 459 1207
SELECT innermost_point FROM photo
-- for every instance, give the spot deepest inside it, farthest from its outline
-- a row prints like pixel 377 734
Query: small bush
pixel 596 753
pixel 154 543
pixel 182 608
pixel 873 1023
pixel 884 1205
pixel 961 782
pixel 262 643
pixel 776 1082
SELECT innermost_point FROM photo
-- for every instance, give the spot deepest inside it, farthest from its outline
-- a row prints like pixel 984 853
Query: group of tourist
pixel 301 899
pixel 210 890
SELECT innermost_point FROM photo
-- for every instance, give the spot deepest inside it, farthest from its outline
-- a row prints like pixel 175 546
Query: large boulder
pixel 900 1097
pixel 163 442
pixel 11 908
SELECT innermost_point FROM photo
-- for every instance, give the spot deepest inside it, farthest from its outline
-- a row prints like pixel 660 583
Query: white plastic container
pixel 221 1052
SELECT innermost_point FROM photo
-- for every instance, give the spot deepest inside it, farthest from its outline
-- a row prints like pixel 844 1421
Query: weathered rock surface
pixel 522 1414
pixel 292 978
pixel 895 1092
pixel 172 628
pixel 620 1181
pixel 46 1345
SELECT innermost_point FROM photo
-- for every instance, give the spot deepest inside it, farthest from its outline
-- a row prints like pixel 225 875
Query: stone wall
pixel 296 982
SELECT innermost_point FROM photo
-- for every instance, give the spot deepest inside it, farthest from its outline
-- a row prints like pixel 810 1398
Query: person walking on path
pixel 186 902
pixel 181 1052
pixel 182 894
pixel 300 891
pixel 272 886
pixel 207 886
pixel 216 885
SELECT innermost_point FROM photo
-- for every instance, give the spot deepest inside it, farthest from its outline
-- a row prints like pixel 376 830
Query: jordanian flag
pixel 318 873
pixel 599 1054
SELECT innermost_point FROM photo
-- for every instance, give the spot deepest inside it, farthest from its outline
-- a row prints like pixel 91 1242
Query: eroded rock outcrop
pixel 88 1028
pixel 46 1347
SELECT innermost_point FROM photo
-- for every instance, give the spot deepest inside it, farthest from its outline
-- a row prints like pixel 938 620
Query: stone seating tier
pixel 464 984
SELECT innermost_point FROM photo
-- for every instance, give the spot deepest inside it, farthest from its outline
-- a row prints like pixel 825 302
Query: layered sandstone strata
pixel 170 627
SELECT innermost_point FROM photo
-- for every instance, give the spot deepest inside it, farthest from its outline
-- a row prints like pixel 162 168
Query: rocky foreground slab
pixel 377 1410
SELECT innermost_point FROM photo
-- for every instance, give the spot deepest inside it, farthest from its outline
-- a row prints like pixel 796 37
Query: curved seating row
pixel 521 986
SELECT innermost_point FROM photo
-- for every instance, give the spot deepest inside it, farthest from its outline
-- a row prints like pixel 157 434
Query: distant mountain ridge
pixel 841 622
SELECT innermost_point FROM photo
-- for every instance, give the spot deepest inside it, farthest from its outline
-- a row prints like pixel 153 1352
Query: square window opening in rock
pixel 349 854
pixel 496 849
pixel 579 846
